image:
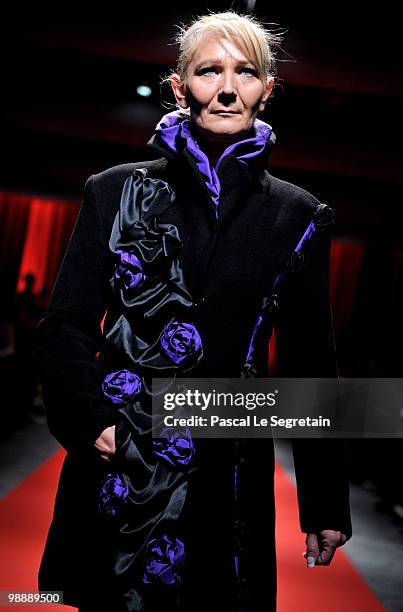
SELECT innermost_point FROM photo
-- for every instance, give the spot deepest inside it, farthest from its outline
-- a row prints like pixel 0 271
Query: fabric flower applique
pixel 323 216
pixel 113 494
pixel 165 558
pixel 174 446
pixel 149 281
pixel 180 342
pixel 121 386
pixel 129 272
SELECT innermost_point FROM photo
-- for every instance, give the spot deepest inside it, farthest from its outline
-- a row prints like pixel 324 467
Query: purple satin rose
pixel 175 446
pixel 113 493
pixel 129 272
pixel 121 386
pixel 180 341
pixel 164 559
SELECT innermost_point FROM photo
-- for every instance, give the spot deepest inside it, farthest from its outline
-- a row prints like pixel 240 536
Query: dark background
pixel 69 106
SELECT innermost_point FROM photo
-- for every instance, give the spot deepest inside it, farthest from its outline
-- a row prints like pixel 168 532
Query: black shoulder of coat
pixel 295 200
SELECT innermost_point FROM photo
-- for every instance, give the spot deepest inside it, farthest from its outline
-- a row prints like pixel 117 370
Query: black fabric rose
pixel 165 557
pixel 121 386
pixel 153 247
pixel 174 446
pixel 323 216
pixel 152 300
pixel 148 247
pixel 296 261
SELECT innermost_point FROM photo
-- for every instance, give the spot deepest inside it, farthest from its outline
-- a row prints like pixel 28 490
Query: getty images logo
pixel 203 401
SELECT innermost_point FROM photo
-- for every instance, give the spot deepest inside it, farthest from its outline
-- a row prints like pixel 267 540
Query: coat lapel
pixel 235 179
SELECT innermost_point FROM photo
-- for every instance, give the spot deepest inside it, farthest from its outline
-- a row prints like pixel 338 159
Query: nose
pixel 228 83
pixel 227 92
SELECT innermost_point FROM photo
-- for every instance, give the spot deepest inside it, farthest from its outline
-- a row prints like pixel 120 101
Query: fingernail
pixel 310 561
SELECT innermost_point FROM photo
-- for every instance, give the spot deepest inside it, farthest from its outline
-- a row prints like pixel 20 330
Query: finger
pixel 326 554
pixel 312 549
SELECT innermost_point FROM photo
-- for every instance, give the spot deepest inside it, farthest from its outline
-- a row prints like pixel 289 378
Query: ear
pixel 179 89
pixel 266 93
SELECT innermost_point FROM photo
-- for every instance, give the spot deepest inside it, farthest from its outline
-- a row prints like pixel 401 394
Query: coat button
pixel 241 528
pixel 295 261
pixel 323 216
pixel 271 303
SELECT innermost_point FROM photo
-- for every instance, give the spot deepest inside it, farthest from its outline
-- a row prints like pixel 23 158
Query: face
pixel 222 89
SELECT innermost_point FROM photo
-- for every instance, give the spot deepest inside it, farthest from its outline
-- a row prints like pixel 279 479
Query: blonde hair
pixel 254 40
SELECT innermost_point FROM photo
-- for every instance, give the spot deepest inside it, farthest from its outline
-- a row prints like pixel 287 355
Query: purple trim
pixel 307 235
pixel 236 563
pixel 174 131
pixel 252 340
pixel 236 484
pixel 310 230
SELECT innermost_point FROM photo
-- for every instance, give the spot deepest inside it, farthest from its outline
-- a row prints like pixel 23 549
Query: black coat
pixel 229 264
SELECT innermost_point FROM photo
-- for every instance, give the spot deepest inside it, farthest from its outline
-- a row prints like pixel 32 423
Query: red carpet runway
pixel 25 514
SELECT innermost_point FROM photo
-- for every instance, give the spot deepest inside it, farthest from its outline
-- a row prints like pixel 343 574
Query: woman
pixel 181 252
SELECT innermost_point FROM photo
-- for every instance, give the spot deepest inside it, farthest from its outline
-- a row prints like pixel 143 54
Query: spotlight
pixel 144 90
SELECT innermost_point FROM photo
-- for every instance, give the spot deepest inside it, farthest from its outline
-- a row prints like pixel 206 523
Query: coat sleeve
pixel 69 335
pixel 305 348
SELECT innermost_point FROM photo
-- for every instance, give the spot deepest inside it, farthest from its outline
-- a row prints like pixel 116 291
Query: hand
pixel 106 443
pixel 320 548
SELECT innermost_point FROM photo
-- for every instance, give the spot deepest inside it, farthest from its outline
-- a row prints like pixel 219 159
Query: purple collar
pixel 173 132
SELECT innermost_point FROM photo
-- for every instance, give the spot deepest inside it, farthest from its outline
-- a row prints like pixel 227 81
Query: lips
pixel 226 112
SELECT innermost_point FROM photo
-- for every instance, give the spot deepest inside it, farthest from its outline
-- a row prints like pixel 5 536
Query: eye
pixel 248 71
pixel 207 70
